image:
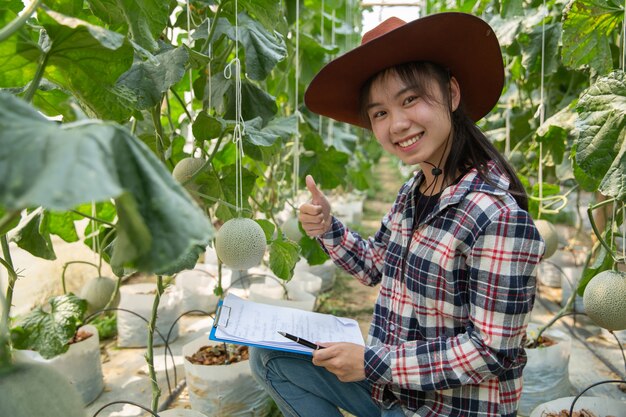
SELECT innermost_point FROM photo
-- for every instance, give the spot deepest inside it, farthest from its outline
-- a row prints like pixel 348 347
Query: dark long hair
pixel 470 148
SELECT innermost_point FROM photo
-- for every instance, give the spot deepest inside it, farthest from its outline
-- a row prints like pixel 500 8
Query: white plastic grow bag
pixel 326 271
pixel 599 406
pixel 197 286
pixel 271 292
pixel 223 390
pixel 80 365
pixel 546 375
pixel 139 298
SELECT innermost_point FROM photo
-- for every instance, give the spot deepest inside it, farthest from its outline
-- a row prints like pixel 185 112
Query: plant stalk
pixel 76 262
pixel 156 391
pixel 34 84
pixel 8 264
pixel 17 23
pixel 158 128
pixel 595 227
pixel 565 311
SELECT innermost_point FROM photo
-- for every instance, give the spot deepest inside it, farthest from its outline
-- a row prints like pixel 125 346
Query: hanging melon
pixel 184 170
pixel 32 389
pixel 549 235
pixel 605 300
pixel 240 243
pixel 98 291
pixel 291 229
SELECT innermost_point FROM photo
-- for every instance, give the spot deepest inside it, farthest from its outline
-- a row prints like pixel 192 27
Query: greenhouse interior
pixel 265 208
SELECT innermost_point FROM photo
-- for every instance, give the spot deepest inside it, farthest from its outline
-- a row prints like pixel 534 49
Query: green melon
pixel 605 300
pixel 32 389
pixel 184 170
pixel 549 235
pixel 98 291
pixel 240 243
pixel 291 229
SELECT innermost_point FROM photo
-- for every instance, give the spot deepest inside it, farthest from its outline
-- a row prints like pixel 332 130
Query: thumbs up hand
pixel 315 215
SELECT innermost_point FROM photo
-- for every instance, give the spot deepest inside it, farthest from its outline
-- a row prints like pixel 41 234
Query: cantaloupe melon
pixel 291 229
pixel 605 300
pixel 35 389
pixel 98 291
pixel 549 235
pixel 184 170
pixel 240 243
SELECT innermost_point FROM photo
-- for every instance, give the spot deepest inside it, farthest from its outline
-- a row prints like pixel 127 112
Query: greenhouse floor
pixel 593 358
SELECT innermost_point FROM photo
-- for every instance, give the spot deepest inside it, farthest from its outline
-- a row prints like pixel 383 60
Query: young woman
pixel 455 256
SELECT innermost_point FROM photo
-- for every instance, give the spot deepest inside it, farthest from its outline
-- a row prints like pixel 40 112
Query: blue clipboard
pixel 223 312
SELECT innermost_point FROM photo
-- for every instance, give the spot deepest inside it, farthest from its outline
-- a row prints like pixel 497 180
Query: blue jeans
pixel 301 389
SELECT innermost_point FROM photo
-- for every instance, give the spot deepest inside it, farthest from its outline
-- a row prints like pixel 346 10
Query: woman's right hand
pixel 315 215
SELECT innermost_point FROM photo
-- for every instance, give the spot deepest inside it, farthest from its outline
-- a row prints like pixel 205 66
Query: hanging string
pixel 623 67
pixel 507 127
pixel 320 121
pixel 296 144
pixel 331 122
pixel 623 232
pixel 541 109
pixel 239 129
pixel 189 106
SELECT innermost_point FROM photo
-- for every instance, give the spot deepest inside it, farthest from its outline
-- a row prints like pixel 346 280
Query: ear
pixel 455 93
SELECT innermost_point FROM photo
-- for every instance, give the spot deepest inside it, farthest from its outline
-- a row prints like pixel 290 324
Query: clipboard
pixel 344 329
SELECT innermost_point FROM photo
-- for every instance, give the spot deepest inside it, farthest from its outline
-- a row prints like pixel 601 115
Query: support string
pixel 239 129
pixel 541 109
pixel 296 144
pixel 320 123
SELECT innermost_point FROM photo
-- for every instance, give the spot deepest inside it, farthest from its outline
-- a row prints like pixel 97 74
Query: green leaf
pixel 145 19
pixel 133 237
pixel 327 166
pixel 255 101
pixel 532 50
pixel 82 65
pixel 284 255
pixel 602 262
pixel 255 134
pixel 143 85
pixel 18 55
pixel 267 12
pixel 207 127
pixel 62 225
pixel 506 29
pixel 588 27
pixel 107 38
pixel 268 227
pixel 312 251
pixel 61 166
pixel 49 332
pixel 10 225
pixel 67 7
pixel 601 143
pixel 263 50
pixel 221 186
pixel 33 236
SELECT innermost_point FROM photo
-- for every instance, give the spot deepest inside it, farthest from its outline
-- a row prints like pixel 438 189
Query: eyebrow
pixel 398 94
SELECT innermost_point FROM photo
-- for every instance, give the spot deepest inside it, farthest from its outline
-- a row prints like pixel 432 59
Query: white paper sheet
pixel 256 323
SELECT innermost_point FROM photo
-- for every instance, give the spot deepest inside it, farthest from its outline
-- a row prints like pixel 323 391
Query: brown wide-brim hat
pixel 464 44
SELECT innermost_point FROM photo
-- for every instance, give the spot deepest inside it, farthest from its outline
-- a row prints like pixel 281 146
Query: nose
pixel 399 122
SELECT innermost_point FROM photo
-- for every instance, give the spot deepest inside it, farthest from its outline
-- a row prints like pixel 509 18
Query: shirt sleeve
pixel 362 258
pixel 501 267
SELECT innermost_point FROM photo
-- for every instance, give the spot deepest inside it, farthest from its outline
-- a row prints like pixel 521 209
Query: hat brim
pixel 462 43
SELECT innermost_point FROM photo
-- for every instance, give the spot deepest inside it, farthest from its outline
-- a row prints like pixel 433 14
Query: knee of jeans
pixel 257 364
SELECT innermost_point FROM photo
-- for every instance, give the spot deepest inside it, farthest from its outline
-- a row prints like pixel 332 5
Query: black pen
pixel 301 341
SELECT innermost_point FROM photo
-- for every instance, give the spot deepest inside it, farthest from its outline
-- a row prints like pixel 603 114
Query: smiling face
pixel 412 122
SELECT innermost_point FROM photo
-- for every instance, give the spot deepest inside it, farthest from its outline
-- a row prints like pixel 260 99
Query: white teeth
pixel 410 142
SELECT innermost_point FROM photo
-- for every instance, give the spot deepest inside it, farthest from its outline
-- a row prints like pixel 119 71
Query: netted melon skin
pixel 240 244
pixel 605 300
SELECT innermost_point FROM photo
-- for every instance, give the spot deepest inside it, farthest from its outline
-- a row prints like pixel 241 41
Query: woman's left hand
pixel 346 360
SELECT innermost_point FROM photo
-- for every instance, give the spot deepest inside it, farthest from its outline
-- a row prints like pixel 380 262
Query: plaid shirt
pixel 446 338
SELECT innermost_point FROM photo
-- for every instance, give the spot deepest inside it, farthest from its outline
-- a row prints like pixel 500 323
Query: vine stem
pixel 595 227
pixel 7 262
pixel 17 23
pixel 76 262
pixel 563 312
pixel 156 391
pixel 34 84
pixel 5 340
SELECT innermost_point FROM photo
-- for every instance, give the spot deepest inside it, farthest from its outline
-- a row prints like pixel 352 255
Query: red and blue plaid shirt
pixel 447 337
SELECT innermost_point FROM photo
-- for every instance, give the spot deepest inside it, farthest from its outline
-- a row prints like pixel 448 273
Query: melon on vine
pixel 184 170
pixel 98 291
pixel 33 389
pixel 605 300
pixel 291 229
pixel 549 235
pixel 240 243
